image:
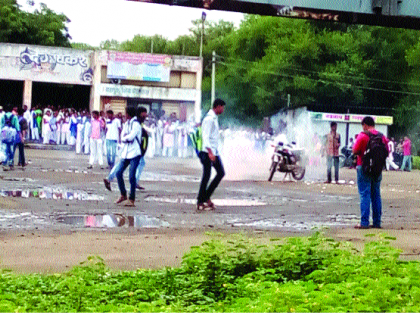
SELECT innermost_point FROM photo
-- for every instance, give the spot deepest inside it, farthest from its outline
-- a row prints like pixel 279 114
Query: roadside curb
pixel 41 146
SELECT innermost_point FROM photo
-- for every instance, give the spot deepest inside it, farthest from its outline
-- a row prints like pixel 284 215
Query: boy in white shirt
pixel 210 156
pixel 113 129
pixel 130 155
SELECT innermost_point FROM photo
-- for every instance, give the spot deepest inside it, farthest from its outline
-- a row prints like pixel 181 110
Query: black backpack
pixel 375 155
pixel 8 120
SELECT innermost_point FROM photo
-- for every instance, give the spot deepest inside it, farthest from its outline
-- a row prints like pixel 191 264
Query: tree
pixel 83 46
pixel 11 22
pixel 112 44
pixel 183 45
pixel 43 27
pixel 145 44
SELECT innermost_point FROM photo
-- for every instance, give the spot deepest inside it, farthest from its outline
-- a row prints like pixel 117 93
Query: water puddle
pixel 21 220
pixel 111 220
pixel 217 202
pixel 28 220
pixel 52 193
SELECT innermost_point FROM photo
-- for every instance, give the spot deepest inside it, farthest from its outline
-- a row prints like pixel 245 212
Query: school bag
pixel 144 143
pixel 8 132
pixel 375 155
pixel 196 137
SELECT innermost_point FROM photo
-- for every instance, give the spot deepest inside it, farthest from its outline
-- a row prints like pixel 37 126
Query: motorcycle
pixel 287 158
pixel 347 158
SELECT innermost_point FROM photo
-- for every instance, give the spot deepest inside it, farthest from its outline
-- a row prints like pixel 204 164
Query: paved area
pixel 57 198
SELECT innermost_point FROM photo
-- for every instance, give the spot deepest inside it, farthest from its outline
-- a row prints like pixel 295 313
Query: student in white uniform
pixel 113 130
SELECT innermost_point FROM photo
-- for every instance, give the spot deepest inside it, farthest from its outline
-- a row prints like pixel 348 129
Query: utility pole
pixel 347 129
pixel 213 78
pixel 203 18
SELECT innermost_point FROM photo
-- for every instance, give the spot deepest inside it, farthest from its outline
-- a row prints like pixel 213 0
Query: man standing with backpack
pixel 20 138
pixel 371 148
pixel 9 129
pixel 130 155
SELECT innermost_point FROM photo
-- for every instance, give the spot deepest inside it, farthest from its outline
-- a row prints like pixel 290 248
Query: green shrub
pixel 232 274
pixel 416 162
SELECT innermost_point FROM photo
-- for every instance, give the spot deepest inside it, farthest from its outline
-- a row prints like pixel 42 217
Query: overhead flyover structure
pixel 389 13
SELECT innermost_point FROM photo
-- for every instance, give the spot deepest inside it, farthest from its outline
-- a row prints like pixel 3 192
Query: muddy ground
pixel 55 213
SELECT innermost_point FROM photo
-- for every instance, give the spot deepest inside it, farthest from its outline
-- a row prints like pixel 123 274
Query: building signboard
pixel 351 118
pixel 141 67
pixel 45 64
pixel 189 64
pixel 147 92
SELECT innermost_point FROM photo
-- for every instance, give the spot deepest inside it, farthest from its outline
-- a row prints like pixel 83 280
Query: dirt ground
pixel 54 233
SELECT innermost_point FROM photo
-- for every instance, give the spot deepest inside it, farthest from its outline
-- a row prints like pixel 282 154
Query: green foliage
pixel 42 27
pixel 416 162
pixel 145 44
pixel 112 44
pixel 82 46
pixel 327 66
pixel 232 274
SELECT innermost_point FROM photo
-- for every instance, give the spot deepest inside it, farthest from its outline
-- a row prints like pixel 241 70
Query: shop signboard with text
pixel 351 118
pixel 140 67
pixel 148 92
pixel 45 64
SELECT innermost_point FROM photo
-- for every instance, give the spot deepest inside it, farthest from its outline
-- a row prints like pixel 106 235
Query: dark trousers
pixel 134 162
pixel 205 192
pixel 330 160
pixel 21 153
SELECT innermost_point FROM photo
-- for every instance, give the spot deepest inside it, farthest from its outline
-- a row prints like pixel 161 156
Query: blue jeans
pixel 330 160
pixel 111 151
pixel 370 193
pixel 134 163
pixel 139 170
pixel 9 152
pixel 406 160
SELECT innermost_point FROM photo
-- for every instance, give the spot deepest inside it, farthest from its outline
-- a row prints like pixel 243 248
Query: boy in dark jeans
pixel 21 138
pixel 210 156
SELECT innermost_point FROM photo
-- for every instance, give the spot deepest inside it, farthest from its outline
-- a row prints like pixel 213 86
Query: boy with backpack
pixel 20 138
pixel 9 130
pixel 371 148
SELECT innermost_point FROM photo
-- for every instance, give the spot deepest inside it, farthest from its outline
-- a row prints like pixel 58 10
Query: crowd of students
pixel 168 135
pixel 67 126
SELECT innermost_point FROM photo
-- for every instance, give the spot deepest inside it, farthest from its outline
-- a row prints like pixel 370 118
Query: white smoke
pixel 246 158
